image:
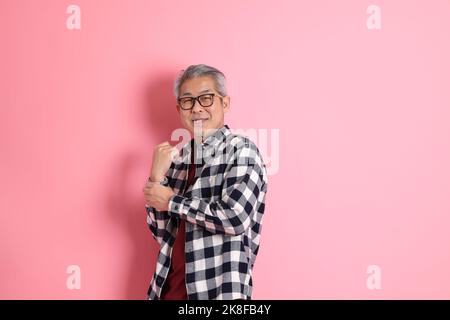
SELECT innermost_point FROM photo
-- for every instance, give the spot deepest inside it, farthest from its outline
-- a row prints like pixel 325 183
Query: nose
pixel 197 107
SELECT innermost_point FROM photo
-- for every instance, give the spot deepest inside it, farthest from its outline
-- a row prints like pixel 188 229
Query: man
pixel 205 211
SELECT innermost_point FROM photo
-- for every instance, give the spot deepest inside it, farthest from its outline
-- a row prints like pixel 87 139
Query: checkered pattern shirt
pixel 223 210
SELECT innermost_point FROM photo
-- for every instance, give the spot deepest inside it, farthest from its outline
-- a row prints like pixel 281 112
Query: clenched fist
pixel 163 156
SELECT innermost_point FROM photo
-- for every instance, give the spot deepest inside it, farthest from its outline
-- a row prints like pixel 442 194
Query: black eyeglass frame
pixel 198 100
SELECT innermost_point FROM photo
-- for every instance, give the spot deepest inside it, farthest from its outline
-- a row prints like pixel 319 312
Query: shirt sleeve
pixel 157 220
pixel 243 194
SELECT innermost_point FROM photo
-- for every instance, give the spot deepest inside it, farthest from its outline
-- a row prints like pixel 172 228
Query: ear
pixel 226 103
pixel 177 107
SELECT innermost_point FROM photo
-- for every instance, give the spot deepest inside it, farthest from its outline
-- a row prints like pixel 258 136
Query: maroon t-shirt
pixel 175 287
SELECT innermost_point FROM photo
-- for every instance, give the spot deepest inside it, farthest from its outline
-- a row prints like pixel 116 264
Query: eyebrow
pixel 189 94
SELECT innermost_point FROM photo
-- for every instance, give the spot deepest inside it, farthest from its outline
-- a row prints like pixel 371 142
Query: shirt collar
pixel 211 141
pixel 218 136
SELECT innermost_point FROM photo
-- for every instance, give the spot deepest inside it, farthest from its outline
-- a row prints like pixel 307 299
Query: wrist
pixel 162 181
pixel 154 178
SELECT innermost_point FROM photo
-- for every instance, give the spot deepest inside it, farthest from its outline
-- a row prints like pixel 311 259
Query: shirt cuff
pixel 176 203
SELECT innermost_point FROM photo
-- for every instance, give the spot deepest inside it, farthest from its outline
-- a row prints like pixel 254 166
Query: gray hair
pixel 200 70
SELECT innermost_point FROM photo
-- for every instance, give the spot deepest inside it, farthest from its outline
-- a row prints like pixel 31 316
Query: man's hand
pixel 163 156
pixel 157 196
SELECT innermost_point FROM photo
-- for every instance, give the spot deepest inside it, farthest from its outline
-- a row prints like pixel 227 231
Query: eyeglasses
pixel 205 100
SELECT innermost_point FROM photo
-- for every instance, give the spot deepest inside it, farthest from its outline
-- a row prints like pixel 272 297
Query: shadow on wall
pixel 126 201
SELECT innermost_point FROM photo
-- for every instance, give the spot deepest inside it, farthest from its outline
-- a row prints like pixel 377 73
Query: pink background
pixel 363 115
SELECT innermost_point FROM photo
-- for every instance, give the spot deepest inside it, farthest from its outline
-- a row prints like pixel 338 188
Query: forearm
pixel 232 215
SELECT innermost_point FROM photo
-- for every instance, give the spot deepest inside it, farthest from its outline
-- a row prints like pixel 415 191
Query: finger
pixel 147 184
pixel 164 144
pixel 174 153
pixel 168 149
pixel 151 185
pixel 149 197
pixel 165 149
pixel 147 191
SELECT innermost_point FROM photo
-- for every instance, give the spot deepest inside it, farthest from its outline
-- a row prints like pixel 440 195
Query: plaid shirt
pixel 223 210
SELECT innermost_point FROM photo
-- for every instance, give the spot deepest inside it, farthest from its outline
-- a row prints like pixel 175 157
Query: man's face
pixel 213 116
